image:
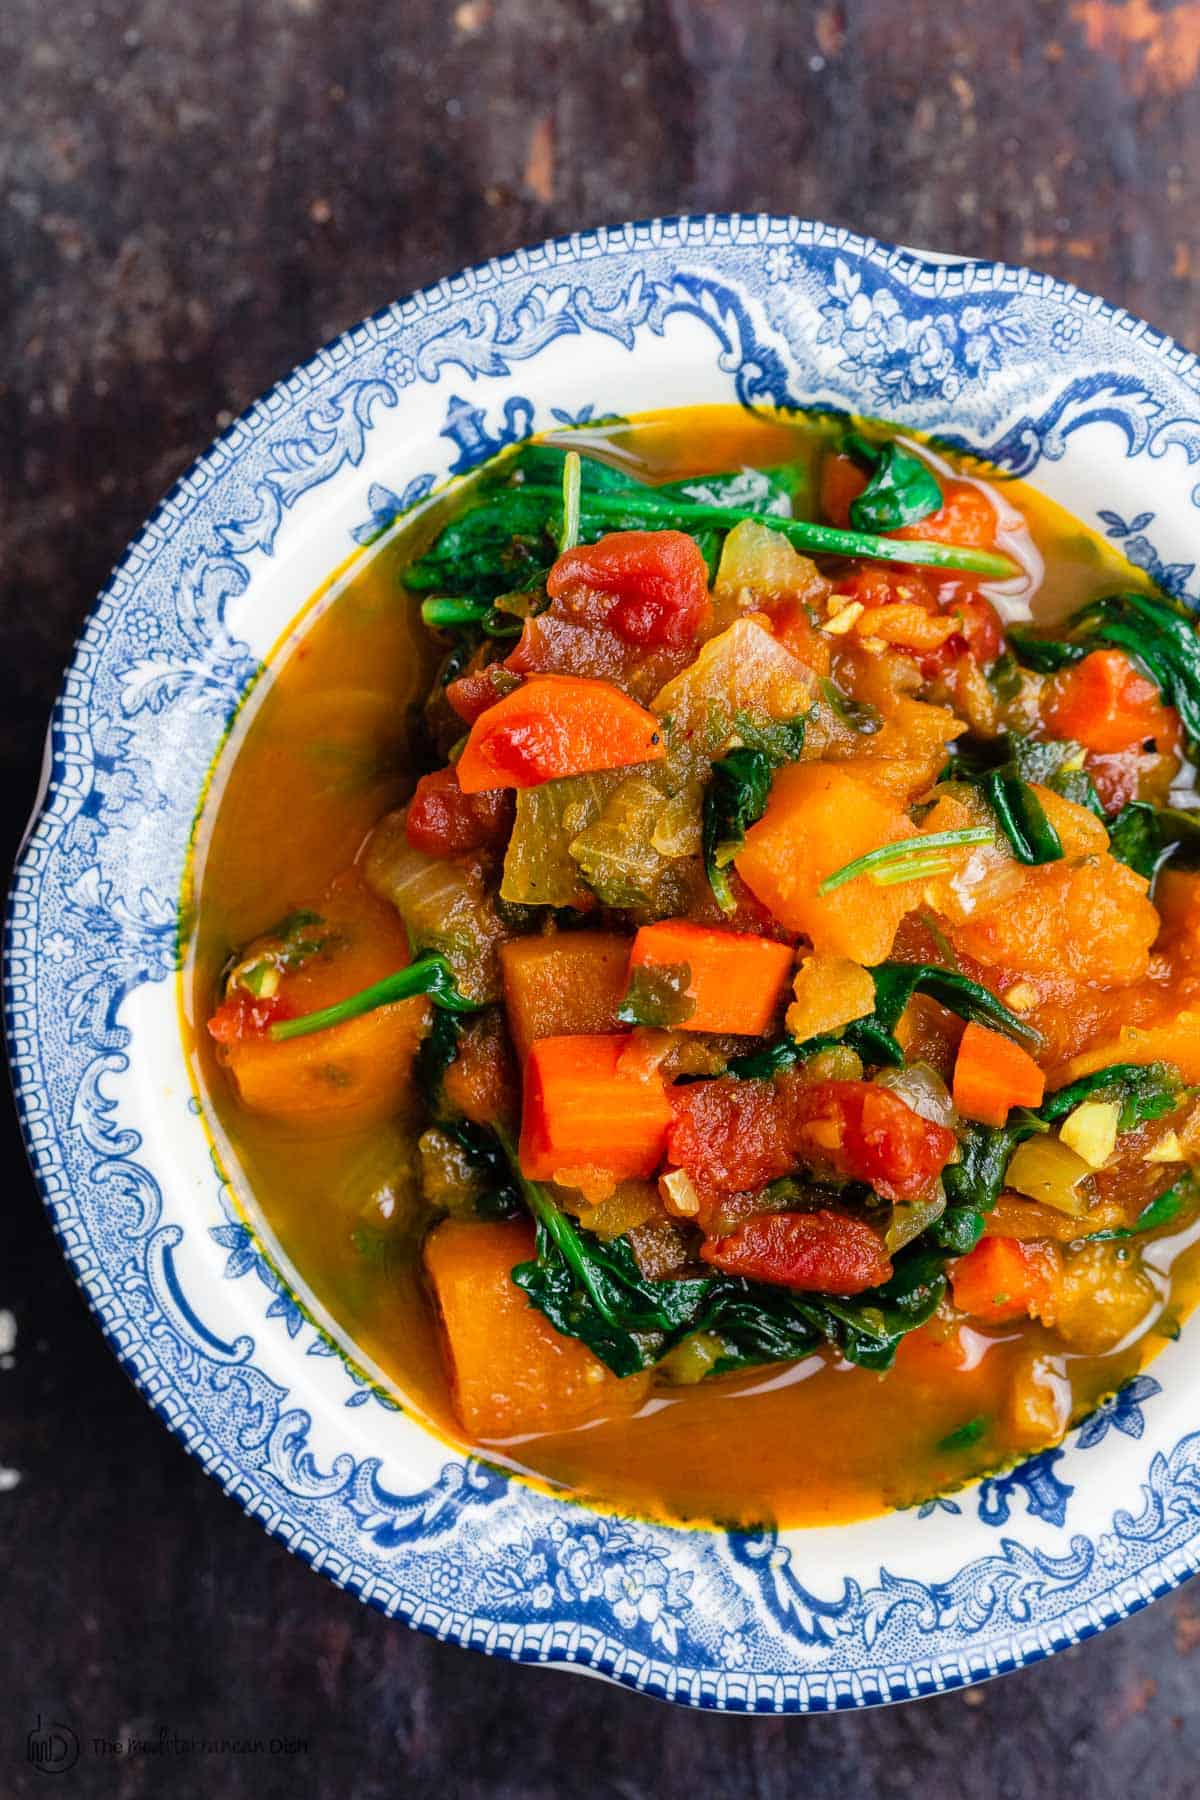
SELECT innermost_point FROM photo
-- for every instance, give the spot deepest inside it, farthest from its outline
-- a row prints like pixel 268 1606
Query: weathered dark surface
pixel 192 197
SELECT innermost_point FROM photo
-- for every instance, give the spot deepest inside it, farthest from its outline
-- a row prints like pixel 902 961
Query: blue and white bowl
pixel 1100 410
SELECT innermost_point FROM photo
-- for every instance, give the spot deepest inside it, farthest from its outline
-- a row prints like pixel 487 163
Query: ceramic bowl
pixel 1101 411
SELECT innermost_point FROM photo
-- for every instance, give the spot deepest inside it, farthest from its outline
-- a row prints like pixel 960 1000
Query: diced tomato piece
pixel 241 1016
pixel 869 1133
pixel 731 1135
pixel 980 634
pixel 876 584
pixel 819 1253
pixel 980 630
pixel 793 627
pixel 1004 1279
pixel 472 694
pixel 655 583
pixel 443 821
pixel 1106 704
pixel 550 644
pixel 735 1135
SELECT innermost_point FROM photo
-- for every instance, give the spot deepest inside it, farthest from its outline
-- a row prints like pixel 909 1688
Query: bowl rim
pixel 920 270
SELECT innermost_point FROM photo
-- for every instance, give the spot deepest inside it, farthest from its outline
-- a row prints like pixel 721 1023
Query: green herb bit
pixel 658 995
pixel 902 490
pixel 572 490
pixel 963 1436
pixel 780 740
pixel 735 799
pixel 941 942
pixel 908 860
pixel 287 946
pixel 430 975
pixel 737 792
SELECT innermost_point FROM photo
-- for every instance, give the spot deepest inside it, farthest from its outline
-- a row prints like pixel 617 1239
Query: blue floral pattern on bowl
pixel 191 1292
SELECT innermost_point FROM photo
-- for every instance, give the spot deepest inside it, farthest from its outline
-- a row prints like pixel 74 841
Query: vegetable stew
pixel 697 966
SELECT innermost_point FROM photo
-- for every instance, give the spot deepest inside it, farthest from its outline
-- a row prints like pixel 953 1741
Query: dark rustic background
pixel 193 196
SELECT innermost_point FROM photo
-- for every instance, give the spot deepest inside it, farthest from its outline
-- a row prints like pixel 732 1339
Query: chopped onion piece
pixel 922 1088
pixel 1046 1169
pixel 911 1217
pixel 1091 1131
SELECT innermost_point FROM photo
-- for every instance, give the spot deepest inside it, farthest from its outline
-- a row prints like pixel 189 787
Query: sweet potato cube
pixel 818 818
pixel 563 985
pixel 510 1372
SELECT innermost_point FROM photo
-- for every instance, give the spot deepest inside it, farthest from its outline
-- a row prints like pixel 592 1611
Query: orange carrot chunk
pixel 510 1371
pixel 1004 1279
pixel 736 979
pixel 556 725
pixel 992 1075
pixel 583 1111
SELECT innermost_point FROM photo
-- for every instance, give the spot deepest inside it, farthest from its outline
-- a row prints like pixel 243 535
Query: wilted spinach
pixel 902 490
pixel 1147 836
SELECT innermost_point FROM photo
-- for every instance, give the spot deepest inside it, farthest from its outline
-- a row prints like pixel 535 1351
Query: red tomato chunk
pixel 736 1135
pixel 813 1253
pixel 240 1016
pixel 871 1135
pixel 652 585
pixel 443 821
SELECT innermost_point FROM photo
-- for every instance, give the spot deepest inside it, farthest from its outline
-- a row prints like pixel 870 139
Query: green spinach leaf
pixel 437 1051
pixel 1164 1210
pixel 737 793
pixel 902 490
pixel 1147 837
pixel 596 1292
pixel 1003 769
pixel 874 1037
pixel 736 797
pixel 1145 1090
pixel 499 544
